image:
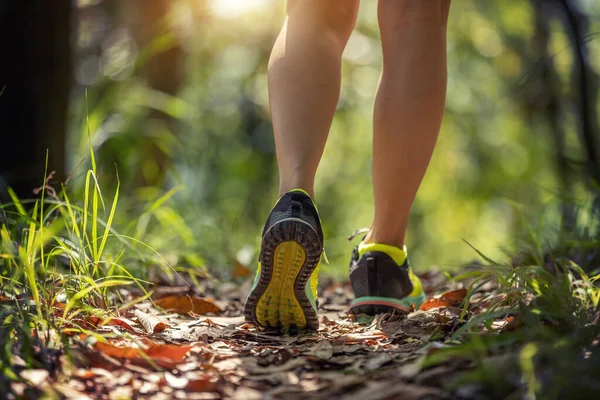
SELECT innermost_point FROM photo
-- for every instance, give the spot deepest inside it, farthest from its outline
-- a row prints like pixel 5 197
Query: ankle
pixel 284 188
pixel 385 238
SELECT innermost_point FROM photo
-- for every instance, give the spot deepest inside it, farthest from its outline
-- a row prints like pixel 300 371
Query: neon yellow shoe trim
pixel 397 254
pixel 313 283
pixel 314 278
pixel 417 286
pixel 256 278
pixel 301 190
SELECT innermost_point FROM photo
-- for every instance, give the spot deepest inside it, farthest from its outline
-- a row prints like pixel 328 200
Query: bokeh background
pixel 172 96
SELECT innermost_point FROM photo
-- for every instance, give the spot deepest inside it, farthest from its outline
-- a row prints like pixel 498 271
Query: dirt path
pixel 215 355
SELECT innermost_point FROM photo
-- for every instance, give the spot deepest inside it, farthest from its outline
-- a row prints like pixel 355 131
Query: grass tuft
pixel 62 261
pixel 551 351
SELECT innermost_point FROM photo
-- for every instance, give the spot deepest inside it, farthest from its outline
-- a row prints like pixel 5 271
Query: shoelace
pixel 358 232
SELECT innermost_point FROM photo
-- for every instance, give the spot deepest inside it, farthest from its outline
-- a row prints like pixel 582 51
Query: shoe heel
pixel 290 252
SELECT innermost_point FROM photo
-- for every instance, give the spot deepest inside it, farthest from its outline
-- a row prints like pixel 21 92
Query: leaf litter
pixel 187 345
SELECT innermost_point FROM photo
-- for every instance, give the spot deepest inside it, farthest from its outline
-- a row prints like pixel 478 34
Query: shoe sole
pixel 290 253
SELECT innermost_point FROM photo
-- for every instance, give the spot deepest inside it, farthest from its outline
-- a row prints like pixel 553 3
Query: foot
pixel 383 281
pixel 284 292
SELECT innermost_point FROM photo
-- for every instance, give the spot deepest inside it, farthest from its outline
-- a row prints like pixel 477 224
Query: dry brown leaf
pixel 186 304
pixel 377 361
pixel 323 349
pixel 82 373
pixel 452 298
pixel 151 323
pixel 91 373
pixel 164 355
pixel 246 393
pixel 360 338
pixel 240 271
pixel 201 382
pixel 122 322
pixel 275 369
pixel 56 308
pixel 513 323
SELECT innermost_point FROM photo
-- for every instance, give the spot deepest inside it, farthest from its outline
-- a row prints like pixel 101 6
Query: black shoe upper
pixel 295 205
pixel 376 274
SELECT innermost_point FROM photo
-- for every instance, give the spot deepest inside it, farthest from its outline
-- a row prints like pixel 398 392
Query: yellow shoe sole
pixel 290 252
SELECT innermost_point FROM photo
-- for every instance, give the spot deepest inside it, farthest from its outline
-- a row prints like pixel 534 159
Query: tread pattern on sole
pixel 290 252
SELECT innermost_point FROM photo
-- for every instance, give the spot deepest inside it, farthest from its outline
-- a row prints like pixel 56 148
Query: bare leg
pixel 408 109
pixel 304 84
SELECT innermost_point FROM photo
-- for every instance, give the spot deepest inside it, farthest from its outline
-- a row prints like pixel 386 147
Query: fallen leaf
pixel 358 338
pixel 153 377
pixel 293 363
pixel 122 322
pixel 384 390
pixel 322 349
pixel 69 392
pixel 59 305
pixel 513 323
pixel 186 304
pixel 164 355
pixel 328 322
pixel 240 271
pixel 377 361
pixel 201 382
pixel 35 376
pixel 133 367
pixel 18 388
pixel 245 393
pixel 229 364
pixel 176 382
pixel 151 323
pixel 89 373
pixel 82 373
pixel 411 369
pixel 452 298
pixel 122 392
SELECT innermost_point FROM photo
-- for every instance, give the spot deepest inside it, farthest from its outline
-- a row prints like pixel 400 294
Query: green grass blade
pixel 162 199
pixel 95 286
pixel 110 218
pixel 486 258
pixel 17 203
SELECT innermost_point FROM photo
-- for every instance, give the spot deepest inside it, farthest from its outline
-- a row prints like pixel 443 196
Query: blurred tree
pixel 545 101
pixel 581 95
pixel 149 22
pixel 584 84
pixel 512 140
pixel 34 81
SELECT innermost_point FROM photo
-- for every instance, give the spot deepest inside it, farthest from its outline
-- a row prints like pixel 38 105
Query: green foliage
pixel 495 156
pixel 554 304
pixel 62 260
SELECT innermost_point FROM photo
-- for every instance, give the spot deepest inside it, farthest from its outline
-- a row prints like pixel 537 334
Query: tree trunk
pixel 162 72
pixel 34 80
pixel 584 84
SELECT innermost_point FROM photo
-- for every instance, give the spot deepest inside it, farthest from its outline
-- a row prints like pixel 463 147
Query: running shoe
pixel 383 281
pixel 284 293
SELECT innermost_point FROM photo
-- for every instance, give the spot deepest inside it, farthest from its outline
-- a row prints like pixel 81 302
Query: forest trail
pixel 199 347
